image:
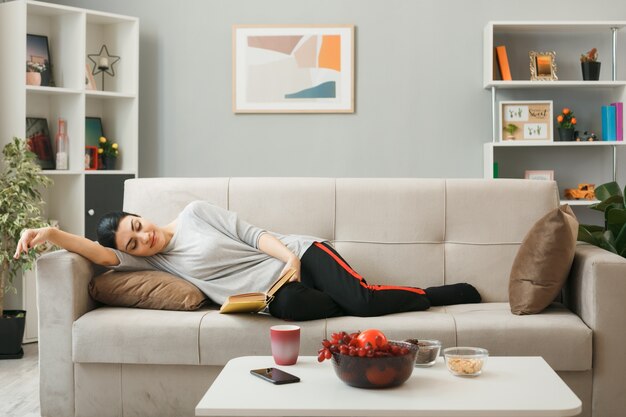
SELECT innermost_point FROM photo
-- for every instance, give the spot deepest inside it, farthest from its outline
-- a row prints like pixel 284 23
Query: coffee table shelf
pixel 508 387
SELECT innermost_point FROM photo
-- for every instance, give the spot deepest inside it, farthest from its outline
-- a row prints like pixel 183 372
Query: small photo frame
pixel 91 158
pixel 542 66
pixel 90 82
pixel 93 131
pixel 526 121
pixel 546 175
pixel 38 141
pixel 38 60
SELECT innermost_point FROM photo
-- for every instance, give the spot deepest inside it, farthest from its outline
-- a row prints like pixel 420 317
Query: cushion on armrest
pixel 146 289
pixel 543 262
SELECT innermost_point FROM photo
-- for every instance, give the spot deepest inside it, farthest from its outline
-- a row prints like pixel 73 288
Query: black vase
pixel 12 334
pixel 566 134
pixel 591 71
pixel 107 162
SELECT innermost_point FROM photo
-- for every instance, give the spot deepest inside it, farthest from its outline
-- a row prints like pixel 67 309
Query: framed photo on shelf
pixel 90 82
pixel 539 175
pixel 38 141
pixel 542 66
pixel 38 61
pixel 93 131
pixel 526 121
pixel 293 68
pixel 91 158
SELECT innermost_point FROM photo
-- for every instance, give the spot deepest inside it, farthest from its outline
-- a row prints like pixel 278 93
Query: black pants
pixel 330 288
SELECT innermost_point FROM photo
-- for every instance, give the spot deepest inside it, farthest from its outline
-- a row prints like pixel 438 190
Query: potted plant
pixel 20 208
pixel 107 152
pixel 612 236
pixel 566 122
pixel 590 65
pixel 33 72
pixel 511 129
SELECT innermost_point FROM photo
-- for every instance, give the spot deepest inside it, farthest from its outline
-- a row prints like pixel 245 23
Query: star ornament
pixel 103 61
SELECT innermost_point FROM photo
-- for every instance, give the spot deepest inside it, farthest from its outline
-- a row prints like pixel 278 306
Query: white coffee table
pixel 508 387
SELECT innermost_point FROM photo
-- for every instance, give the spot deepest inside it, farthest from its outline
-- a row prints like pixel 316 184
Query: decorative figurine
pixel 103 63
pixel 583 192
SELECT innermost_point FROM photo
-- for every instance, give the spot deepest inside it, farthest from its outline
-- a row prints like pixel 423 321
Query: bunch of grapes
pixel 369 343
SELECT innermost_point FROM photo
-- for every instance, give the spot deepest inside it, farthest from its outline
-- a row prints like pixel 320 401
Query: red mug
pixel 285 342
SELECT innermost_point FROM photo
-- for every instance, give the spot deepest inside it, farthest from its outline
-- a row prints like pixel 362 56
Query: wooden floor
pixel 19 394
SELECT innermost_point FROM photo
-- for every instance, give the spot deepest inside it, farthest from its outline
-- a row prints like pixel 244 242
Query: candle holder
pixel 103 63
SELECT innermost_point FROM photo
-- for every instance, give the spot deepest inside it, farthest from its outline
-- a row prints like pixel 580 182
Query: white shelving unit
pixel 72 33
pixel 573 162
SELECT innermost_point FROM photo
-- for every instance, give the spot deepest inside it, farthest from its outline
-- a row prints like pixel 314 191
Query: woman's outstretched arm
pixel 89 249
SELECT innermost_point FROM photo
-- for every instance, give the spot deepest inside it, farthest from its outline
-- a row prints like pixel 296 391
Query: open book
pixel 253 302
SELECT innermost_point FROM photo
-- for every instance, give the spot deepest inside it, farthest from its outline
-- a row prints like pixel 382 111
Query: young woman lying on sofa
pixel 223 255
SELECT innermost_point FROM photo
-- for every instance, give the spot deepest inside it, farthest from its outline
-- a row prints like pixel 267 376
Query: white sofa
pixel 104 361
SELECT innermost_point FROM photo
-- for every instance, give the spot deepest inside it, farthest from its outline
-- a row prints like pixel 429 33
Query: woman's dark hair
pixel 107 227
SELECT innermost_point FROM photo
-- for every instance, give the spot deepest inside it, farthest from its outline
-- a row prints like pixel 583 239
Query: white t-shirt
pixel 217 252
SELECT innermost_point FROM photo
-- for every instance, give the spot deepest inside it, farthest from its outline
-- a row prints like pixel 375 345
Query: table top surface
pixel 508 387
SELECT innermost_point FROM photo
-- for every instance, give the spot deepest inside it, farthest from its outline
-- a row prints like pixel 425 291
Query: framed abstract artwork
pixel 293 69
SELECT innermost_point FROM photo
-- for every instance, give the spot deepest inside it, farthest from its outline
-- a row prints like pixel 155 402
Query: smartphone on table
pixel 275 376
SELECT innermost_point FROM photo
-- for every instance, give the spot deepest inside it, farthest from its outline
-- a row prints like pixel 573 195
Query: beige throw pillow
pixel 543 261
pixel 146 289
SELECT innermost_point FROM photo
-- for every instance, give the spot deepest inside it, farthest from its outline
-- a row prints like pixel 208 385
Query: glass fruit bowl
pixel 376 372
pixel 465 361
pixel 427 353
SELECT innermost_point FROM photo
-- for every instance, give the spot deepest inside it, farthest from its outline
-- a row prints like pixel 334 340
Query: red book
pixel 503 63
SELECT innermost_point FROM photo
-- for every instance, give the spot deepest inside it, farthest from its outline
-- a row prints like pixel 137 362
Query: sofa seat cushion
pixel 227 336
pixel 557 334
pixel 133 335
pixel 160 337
pixel 434 323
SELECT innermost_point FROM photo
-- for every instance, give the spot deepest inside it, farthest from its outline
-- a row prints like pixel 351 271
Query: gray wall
pixel 421 110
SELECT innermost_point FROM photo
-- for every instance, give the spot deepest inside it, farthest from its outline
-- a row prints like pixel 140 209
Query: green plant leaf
pixel 608 190
pixel 615 220
pixel 602 206
pixel 606 241
pixel 620 241
pixel 585 234
pixel 20 203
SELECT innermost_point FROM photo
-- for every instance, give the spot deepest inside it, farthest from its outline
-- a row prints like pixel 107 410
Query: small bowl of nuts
pixel 465 361
pixel 427 353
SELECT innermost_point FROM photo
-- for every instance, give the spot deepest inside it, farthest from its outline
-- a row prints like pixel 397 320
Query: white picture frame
pixel 544 175
pixel 293 68
pixel 532 120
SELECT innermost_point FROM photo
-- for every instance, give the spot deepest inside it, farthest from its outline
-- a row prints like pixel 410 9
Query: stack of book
pixel 613 122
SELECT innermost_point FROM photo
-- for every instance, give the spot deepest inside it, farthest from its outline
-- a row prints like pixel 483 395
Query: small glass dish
pixel 465 361
pixel 427 351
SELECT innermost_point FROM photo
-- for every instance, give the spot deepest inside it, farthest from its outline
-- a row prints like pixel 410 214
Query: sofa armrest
pixel 62 297
pixel 596 292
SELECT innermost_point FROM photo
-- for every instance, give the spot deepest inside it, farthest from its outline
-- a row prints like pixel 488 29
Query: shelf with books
pixel 572 162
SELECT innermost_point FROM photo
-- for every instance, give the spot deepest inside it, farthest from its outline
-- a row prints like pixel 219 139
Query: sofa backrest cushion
pixel 408 231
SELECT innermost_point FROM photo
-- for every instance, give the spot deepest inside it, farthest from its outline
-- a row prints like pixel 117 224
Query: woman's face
pixel 138 236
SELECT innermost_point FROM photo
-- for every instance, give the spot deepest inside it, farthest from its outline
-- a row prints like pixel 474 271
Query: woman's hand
pixel 274 247
pixel 31 238
pixel 73 243
pixel 293 263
